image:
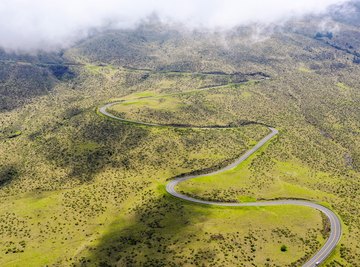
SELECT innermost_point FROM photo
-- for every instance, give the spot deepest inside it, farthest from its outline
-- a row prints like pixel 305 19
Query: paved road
pixel 335 225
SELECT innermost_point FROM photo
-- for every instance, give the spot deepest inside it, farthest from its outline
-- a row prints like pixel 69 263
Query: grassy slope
pixel 71 216
pixel 80 187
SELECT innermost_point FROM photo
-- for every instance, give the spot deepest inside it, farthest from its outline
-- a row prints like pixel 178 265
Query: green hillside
pixel 80 189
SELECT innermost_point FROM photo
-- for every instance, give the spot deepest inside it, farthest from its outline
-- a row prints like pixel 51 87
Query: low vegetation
pixel 79 189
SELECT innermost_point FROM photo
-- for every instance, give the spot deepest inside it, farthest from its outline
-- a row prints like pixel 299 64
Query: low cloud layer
pixel 47 24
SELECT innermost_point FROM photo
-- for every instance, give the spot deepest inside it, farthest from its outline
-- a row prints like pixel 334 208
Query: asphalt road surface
pixel 335 225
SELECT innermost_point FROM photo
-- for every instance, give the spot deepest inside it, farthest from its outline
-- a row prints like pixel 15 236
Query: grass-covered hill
pixel 24 77
pixel 79 189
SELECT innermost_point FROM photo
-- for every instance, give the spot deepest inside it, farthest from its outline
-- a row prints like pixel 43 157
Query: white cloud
pixel 29 25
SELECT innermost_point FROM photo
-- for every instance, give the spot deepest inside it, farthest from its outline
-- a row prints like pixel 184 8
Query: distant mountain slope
pixel 161 47
pixel 20 82
pixel 23 77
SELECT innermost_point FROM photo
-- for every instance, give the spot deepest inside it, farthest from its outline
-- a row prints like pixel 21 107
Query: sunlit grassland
pixel 167 103
pixel 260 230
pixel 180 107
pixel 98 177
pixel 68 238
pixel 61 223
pixel 292 180
pixel 304 69
pixel 343 87
pixel 288 180
pixel 98 70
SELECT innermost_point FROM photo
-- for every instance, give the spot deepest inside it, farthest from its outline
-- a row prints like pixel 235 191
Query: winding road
pixel 335 224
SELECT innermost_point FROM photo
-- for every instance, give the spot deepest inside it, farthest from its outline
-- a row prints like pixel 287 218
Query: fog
pixel 30 25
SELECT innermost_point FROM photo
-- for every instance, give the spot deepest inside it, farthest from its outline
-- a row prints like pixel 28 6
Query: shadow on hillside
pixel 92 146
pixel 160 225
pixel 8 173
pixel 20 83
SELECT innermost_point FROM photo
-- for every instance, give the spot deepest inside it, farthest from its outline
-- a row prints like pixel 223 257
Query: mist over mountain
pixel 29 26
pixel 105 107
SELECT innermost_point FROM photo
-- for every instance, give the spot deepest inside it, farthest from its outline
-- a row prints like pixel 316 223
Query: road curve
pixel 335 224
